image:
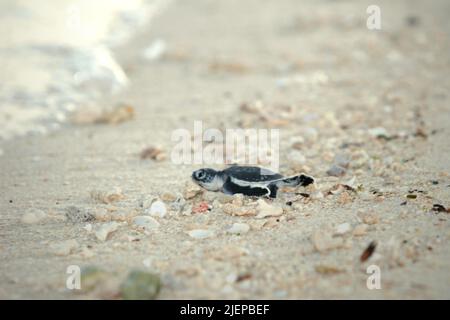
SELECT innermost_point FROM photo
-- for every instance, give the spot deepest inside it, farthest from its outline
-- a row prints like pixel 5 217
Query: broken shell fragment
pixel 157 209
pixel 64 248
pixel 324 241
pixel 146 222
pixel 200 233
pixel 239 228
pixel 234 210
pixel 153 153
pixel 201 207
pixel 360 230
pixel 33 216
pixel 336 171
pixel 191 191
pixel 106 229
pixel 342 228
pixel 268 210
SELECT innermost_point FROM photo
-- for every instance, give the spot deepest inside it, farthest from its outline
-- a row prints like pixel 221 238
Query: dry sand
pixel 322 76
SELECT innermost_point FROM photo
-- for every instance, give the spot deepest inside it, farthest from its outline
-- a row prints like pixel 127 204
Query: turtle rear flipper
pixel 295 181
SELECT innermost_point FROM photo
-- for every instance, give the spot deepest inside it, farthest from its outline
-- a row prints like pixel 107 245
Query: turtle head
pixel 207 178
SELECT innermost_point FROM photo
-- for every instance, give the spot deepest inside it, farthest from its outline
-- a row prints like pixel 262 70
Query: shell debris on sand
pixel 202 207
pixel 153 153
pixel 78 215
pixel 268 210
pixel 192 190
pixel 200 233
pixel 33 216
pixel 343 228
pixel 157 209
pixel 228 252
pixel 107 197
pixel 239 228
pixel 115 115
pixel 323 240
pixel 105 230
pixel 336 171
pixel 369 217
pixel 169 196
pixel 148 223
pixel 64 248
pixel 327 269
pixel 360 230
pixel 86 253
pixel 235 210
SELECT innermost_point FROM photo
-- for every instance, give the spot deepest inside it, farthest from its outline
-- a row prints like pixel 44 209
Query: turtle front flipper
pixel 273 190
pixel 230 187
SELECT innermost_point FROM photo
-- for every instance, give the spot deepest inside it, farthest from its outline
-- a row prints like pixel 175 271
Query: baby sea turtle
pixel 250 181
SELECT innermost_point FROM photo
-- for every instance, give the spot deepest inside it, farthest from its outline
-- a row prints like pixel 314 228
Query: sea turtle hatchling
pixel 250 181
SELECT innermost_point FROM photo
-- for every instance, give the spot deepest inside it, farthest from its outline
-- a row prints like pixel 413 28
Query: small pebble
pixel 140 285
pixel 234 210
pixel 336 171
pixel 33 216
pixel 103 232
pixel 341 160
pixel 378 132
pixel 343 228
pixel 239 228
pixel 324 240
pixel 86 252
pixel 327 269
pixel 147 262
pixel 317 195
pixel 202 207
pixel 77 215
pixel 268 210
pixel 200 233
pixel 106 197
pixel 92 277
pixel 224 198
pixel 64 248
pixel 191 191
pixel 169 197
pixel 153 153
pixel 157 209
pixel 360 230
pixel 88 227
pixel 369 217
pixel 146 222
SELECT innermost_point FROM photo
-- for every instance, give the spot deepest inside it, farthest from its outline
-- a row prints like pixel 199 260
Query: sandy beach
pixel 366 112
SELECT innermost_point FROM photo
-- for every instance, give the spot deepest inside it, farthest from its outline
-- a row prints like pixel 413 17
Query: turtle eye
pixel 200 174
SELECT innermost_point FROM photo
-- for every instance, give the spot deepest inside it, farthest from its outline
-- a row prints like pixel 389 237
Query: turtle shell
pixel 251 174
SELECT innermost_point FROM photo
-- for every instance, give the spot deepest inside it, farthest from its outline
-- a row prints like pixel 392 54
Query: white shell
pixel 107 228
pixel 201 233
pixel 268 210
pixel 239 228
pixel 343 228
pixel 145 221
pixel 157 209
